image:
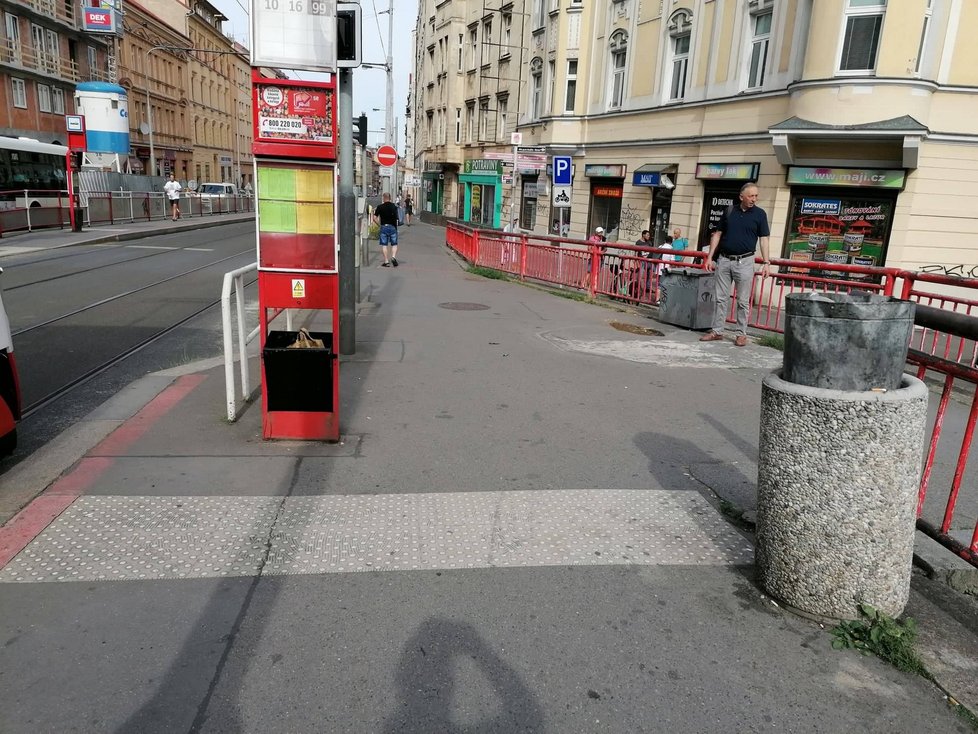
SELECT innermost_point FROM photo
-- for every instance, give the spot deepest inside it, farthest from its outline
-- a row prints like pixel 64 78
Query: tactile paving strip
pixel 121 538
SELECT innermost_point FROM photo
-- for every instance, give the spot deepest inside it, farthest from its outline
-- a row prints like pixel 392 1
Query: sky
pixel 369 85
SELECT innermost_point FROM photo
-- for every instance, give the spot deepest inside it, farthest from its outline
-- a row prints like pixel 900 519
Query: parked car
pixel 9 387
pixel 217 189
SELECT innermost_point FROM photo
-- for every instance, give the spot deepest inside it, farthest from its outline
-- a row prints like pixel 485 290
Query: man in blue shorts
pixel 386 215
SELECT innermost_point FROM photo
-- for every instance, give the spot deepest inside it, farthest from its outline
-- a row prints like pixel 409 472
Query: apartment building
pixel 43 55
pixel 856 118
pixel 155 76
pixel 467 91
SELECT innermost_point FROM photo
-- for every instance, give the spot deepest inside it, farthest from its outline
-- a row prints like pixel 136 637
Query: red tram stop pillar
pixel 295 175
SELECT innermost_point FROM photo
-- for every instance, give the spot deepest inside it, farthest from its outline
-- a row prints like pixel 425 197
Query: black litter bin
pixel 686 298
pixel 298 379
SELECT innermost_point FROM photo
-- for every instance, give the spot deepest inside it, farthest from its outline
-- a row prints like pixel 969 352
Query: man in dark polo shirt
pixel 742 228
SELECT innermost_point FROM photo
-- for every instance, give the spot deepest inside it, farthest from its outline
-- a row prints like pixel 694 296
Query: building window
pixel 536 88
pixel 507 38
pixel 19 92
pixel 43 97
pixel 58 100
pixel 680 32
pixel 539 13
pixel 502 105
pixel 469 122
pixel 864 23
pixel 571 94
pixel 92 59
pixel 12 23
pixel 473 47
pixel 758 50
pixel 458 124
pixel 461 45
pixel 923 37
pixel 484 120
pixel 486 42
pixel 619 51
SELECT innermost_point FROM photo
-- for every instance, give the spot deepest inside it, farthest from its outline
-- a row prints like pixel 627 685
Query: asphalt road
pixel 74 309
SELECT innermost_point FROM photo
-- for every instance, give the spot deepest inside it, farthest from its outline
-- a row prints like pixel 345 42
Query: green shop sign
pixel 878 178
pixel 483 166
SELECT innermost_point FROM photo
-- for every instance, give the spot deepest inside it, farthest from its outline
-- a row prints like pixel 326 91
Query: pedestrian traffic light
pixel 360 130
pixel 348 35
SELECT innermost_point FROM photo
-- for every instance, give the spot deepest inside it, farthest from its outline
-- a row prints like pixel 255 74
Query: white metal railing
pixel 234 280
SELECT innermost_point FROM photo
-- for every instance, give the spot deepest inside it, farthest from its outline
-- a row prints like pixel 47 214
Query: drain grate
pixel 633 329
pixel 462 306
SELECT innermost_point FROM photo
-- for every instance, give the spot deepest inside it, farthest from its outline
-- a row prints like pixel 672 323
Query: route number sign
pixel 294 34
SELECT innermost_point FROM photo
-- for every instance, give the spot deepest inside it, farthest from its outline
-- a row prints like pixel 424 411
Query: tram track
pixel 101 249
pixel 126 294
pixel 94 372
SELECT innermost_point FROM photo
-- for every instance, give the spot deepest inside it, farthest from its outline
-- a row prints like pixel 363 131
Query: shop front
pixel 530 193
pixel 482 191
pixel 432 191
pixel 659 178
pixel 721 190
pixel 841 215
pixel 607 183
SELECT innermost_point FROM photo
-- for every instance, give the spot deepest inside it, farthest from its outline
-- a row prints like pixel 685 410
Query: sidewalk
pixel 13 243
pixel 519 531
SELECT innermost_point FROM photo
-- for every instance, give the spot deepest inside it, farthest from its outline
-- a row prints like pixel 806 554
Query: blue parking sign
pixel 562 170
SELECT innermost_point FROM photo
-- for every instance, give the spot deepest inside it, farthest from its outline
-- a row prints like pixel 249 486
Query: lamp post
pixel 149 108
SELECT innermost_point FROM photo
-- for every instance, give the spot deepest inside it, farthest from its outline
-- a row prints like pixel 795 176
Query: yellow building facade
pixel 858 119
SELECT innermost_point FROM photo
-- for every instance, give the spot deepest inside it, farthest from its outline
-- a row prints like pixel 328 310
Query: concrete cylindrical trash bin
pixel 846 341
pixel 837 490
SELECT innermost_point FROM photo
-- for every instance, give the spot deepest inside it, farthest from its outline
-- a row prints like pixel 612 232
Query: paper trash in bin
pixel 686 298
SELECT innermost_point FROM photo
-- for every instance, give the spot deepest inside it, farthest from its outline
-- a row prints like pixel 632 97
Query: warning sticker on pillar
pixel 298 288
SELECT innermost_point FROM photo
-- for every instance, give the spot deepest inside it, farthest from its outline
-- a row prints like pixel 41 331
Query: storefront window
pixel 528 211
pixel 839 227
pixel 605 205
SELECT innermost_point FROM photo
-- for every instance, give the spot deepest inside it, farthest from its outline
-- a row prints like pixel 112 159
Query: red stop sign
pixel 386 155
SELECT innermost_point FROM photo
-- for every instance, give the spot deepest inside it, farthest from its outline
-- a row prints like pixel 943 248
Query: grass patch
pixel 570 295
pixel 775 341
pixel 877 633
pixel 488 272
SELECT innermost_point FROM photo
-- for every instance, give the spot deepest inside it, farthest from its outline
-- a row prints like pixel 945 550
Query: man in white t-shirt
pixel 172 190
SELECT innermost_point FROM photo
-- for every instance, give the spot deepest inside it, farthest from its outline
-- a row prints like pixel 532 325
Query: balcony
pixel 27 59
pixel 61 12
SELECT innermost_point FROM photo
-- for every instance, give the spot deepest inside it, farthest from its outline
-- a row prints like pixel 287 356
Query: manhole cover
pixel 633 329
pixel 461 306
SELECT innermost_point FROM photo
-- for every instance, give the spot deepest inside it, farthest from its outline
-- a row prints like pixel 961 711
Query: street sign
pixel 386 172
pixel 516 138
pixel 531 149
pixel 561 197
pixel 386 155
pixel 562 170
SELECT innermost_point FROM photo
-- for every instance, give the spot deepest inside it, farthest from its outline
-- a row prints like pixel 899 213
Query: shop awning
pixel 650 174
pixel 896 142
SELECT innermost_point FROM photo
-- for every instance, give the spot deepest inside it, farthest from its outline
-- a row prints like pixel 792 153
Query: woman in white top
pixel 172 189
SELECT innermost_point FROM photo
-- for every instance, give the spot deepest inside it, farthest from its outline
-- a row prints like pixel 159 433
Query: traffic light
pixel 348 35
pixel 360 130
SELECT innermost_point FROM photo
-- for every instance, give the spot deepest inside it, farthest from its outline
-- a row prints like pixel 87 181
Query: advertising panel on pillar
pixel 295 146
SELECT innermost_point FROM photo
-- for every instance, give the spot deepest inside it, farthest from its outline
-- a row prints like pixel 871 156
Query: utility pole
pixel 390 133
pixel 347 217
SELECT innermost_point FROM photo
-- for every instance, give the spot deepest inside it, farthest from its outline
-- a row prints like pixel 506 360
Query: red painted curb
pixel 47 506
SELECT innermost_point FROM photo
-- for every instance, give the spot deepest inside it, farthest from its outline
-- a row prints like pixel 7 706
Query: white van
pixel 217 189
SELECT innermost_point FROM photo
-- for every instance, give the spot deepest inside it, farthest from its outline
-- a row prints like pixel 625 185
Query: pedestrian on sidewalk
pixel 742 228
pixel 172 190
pixel 386 216
pixel 408 209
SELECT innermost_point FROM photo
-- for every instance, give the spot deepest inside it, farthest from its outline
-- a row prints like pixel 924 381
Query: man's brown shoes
pixel 711 336
pixel 741 340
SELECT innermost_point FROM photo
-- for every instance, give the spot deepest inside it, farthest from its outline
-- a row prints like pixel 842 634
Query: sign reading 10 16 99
pixel 294 34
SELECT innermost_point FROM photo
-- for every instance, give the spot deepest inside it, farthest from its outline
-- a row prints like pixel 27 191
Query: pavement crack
pixel 200 717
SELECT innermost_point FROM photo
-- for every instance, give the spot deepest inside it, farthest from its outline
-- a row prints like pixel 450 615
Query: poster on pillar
pixel 294 117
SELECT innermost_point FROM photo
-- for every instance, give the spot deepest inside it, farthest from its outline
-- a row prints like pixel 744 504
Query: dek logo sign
pixel 562 170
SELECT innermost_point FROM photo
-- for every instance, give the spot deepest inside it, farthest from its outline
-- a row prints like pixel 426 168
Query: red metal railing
pixel 625 274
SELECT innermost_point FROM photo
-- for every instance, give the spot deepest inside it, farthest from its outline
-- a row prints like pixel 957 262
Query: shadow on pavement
pixel 428 685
